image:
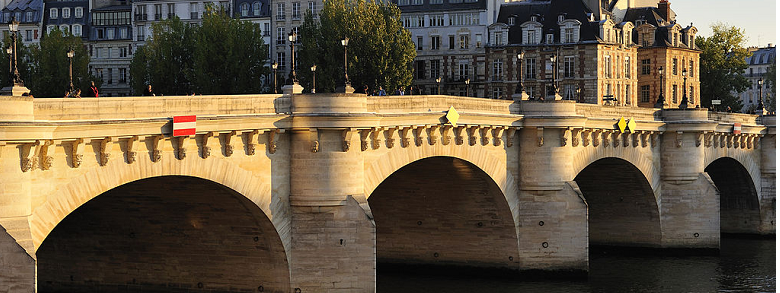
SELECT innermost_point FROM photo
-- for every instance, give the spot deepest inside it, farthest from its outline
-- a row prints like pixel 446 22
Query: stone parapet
pixel 433 103
pixel 16 108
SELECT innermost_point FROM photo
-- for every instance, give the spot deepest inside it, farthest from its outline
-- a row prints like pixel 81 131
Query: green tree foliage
pixel 221 56
pixel 722 65
pixel 380 51
pixel 23 59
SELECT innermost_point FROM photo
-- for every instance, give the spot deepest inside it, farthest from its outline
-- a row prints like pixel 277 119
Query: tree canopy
pixel 722 65
pixel 221 56
pixel 380 50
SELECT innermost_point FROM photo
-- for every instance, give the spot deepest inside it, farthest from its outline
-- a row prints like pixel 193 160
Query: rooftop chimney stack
pixel 664 8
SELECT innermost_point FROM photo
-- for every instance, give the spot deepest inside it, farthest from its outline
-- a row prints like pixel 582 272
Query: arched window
pixel 256 8
pixel 78 12
pixel 65 29
pixel 53 13
pixel 66 12
pixel 77 30
pixel 245 9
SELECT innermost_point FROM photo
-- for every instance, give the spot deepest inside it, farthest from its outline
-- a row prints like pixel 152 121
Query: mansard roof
pixel 22 5
pixel 762 56
pixel 548 12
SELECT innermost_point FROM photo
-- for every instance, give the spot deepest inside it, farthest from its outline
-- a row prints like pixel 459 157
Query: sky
pixel 757 17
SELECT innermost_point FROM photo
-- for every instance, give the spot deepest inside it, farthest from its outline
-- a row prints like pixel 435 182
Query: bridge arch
pixel 740 208
pixel 640 158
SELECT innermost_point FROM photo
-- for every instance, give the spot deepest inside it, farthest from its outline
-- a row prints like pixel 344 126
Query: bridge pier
pixel 768 178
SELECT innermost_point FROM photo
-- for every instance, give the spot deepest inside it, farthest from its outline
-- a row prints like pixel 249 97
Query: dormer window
pixel 533 18
pixel 511 20
pixel 550 38
pixel 560 18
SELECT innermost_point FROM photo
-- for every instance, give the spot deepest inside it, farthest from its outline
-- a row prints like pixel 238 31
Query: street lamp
pixel 553 58
pixel 760 108
pixel 519 89
pixel 293 37
pixel 313 78
pixel 347 84
pixel 579 94
pixel 10 61
pixel 13 26
pixel 684 101
pixel 70 55
pixel 274 66
pixel 467 86
pixel 660 102
pixel 438 85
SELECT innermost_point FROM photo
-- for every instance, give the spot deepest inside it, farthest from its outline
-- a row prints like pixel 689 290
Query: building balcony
pixel 140 17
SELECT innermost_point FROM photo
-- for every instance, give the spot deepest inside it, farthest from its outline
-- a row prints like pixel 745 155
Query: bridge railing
pixel 436 103
pixel 747 119
pixel 598 111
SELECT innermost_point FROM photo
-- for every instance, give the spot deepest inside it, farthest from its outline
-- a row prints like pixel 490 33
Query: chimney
pixel 664 8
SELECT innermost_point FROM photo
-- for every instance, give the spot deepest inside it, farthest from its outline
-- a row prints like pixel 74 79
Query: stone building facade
pixel 111 46
pixel 287 17
pixel 759 62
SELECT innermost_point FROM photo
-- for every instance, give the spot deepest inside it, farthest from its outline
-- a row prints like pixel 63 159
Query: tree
pixel 23 58
pixel 48 69
pixel 380 50
pixel 165 61
pixel 722 65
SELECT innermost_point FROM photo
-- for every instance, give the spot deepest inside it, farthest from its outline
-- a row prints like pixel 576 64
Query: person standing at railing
pixel 93 90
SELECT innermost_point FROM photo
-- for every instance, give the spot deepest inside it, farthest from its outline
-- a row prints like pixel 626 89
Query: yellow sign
pixel 632 125
pixel 622 125
pixel 452 116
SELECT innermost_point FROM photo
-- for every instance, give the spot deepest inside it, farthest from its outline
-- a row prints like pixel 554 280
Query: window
pixel 609 89
pixel 65 28
pixel 464 42
pixel 627 67
pixel 434 69
pixel 530 37
pixel 403 2
pixel 280 57
pixel 256 8
pixel 452 42
pixel 417 2
pixel 18 15
pixel 97 53
pixel 530 91
pixel 122 75
pixel 498 38
pixel 550 38
pixel 279 10
pixel 568 34
pixel 28 35
pixel 296 10
pixel 419 43
pixel 53 13
pixel 110 76
pixel 77 30
pixel 123 33
pixel 266 29
pixel 244 9
pixel 690 94
pixel 530 68
pixel 7 16
pixel 511 20
pixel 690 68
pixel 461 19
pixel 101 33
pixel 194 10
pixel 628 94
pixel 674 94
pixel 644 93
pixel 78 12
pixel 570 92
pixel 436 1
pixel 296 30
pixel 157 11
pixel 66 12
pixel 110 33
pixel 568 66
pixel 99 72
pixel 479 40
pixel 607 67
pixel 28 16
pixel 498 92
pixel 49 28
pixel 674 66
pixel 140 36
pixel 436 20
pixel 435 42
pixel 171 10
pixel 122 52
pixel 463 70
pixel 645 66
pixel 498 69
pixel 280 36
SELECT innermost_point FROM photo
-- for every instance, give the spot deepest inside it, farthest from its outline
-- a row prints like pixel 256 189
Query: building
pixel 759 62
pixel 450 37
pixel 29 15
pixel 110 47
pixel 259 13
pixel 146 12
pixel 287 17
pixel 67 16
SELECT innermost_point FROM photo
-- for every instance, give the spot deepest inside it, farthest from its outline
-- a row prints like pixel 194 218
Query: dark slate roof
pixel 445 6
pixel 265 8
pixel 23 6
pixel 762 56
pixel 114 8
pixel 549 11
pixel 649 14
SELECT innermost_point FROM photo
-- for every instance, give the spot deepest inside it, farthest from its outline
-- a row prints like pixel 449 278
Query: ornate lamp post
pixel 314 78
pixel 554 59
pixel 467 86
pixel 70 55
pixel 10 51
pixel 579 94
pixel 684 101
pixel 347 84
pixel 13 26
pixel 760 108
pixel 438 85
pixel 274 66
pixel 660 102
pixel 292 37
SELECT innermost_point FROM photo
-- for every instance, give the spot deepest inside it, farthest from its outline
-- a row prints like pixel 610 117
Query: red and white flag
pixel 737 128
pixel 184 125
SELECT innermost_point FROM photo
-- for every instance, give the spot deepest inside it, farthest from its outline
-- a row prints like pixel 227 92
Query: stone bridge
pixel 311 193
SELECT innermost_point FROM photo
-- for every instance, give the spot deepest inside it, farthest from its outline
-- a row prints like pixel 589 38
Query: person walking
pixel 381 91
pixel 148 91
pixel 93 90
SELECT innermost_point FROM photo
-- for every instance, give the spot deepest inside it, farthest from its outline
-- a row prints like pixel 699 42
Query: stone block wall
pixel 17 268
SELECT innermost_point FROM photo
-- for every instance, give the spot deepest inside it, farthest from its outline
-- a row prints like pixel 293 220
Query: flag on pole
pixel 184 125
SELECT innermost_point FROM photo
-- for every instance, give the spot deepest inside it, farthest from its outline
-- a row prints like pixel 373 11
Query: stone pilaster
pixel 768 176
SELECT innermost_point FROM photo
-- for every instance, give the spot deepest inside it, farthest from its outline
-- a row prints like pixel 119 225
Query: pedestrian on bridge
pixel 93 90
pixel 148 91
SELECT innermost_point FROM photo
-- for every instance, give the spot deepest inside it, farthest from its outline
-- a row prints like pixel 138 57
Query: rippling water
pixel 744 265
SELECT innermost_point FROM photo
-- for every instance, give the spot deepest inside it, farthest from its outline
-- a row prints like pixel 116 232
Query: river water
pixel 744 265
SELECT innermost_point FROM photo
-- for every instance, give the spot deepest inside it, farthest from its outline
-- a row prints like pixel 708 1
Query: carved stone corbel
pixel 156 153
pixel 273 139
pixel 749 141
pixel 182 142
pixel 418 135
pixel 625 136
pixel 707 138
pixel 389 140
pixel 716 140
pixel 483 134
pixel 643 136
pixel 742 141
pixel 433 133
pixel 314 137
pixel 375 140
pixel 606 134
pixel 446 134
pixel 575 136
pixel 678 139
pixel 459 134
pixel 364 133
pixel 586 137
pixel 225 138
pixel 252 138
pixel 403 133
pixel 699 138
pixel 77 152
pixel 565 133
pixel 723 140
pixel 757 141
pixel 471 130
pixel 131 154
pixel 29 155
pixel 654 138
pixel 729 141
pixel 498 132
pixel 46 159
pixel 596 137
pixel 104 153
pixel 540 136
pixel 510 136
pixel 616 135
pixel 205 149
pixel 346 139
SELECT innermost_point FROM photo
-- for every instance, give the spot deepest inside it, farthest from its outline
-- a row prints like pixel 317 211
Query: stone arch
pixel 386 164
pixel 740 203
pixel 98 180
pixel 638 157
pixel 745 159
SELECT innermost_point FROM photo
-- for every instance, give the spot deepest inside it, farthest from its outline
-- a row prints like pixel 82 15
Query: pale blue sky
pixel 757 17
